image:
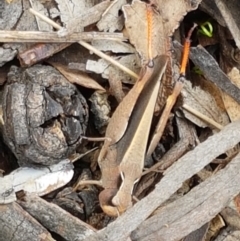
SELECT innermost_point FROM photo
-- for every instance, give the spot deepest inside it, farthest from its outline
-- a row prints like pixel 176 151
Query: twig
pixel 202 116
pixel 78 156
pixel 86 183
pixel 53 37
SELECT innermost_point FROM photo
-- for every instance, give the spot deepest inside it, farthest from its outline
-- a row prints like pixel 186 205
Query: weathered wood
pixel 199 234
pixel 56 219
pixel 196 208
pixel 18 225
pixel 229 234
pixel 53 37
pixel 183 169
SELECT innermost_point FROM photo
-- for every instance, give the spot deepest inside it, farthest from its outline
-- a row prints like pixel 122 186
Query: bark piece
pixel 90 200
pixel 10 14
pixel 38 52
pixel 77 15
pixel 7 55
pixel 110 20
pixel 38 6
pixel 69 201
pixel 18 225
pixel 44 115
pixel 199 234
pixel 100 109
pixel 27 21
pixel 56 219
pixel 231 217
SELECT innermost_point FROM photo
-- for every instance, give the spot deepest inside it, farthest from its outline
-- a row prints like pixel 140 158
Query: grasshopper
pixel 121 158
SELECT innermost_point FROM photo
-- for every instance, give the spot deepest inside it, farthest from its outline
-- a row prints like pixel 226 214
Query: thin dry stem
pixel 202 117
pixel 85 183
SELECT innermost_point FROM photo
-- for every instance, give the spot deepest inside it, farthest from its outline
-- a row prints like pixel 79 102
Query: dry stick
pixel 87 46
pixel 53 37
pixel 171 100
pixel 202 116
